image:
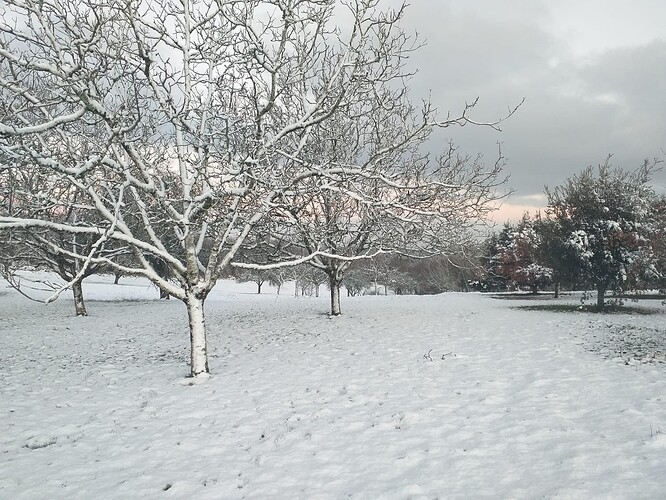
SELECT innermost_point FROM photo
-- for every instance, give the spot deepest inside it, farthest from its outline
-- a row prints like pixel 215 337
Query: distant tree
pixel 359 278
pixel 451 272
pixel 606 217
pixel 394 272
pixel 278 277
pixel 46 248
pixel 659 243
pixel 311 278
pixel 369 275
pixel 517 256
pixel 402 282
pixel 648 270
pixel 256 276
pixel 531 271
pixel 491 260
pixel 554 253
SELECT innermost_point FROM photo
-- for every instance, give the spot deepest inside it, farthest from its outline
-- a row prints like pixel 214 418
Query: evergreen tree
pixel 554 253
pixel 517 256
pixel 606 218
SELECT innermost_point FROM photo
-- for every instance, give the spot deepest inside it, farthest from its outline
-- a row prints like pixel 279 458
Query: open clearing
pixel 450 396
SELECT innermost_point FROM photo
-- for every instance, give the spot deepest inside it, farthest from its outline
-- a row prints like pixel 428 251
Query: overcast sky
pixel 593 74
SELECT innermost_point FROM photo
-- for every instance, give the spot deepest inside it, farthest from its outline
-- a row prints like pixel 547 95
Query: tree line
pixel 604 228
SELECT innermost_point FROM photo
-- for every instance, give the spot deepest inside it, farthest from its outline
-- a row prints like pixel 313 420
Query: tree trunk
pixel 259 287
pixel 79 305
pixel 164 294
pixel 601 292
pixel 334 284
pixel 296 288
pixel 198 342
pixel 535 289
pixel 557 289
pixel 117 276
pixel 316 290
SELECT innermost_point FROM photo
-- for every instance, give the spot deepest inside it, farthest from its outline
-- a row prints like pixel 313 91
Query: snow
pixel 450 396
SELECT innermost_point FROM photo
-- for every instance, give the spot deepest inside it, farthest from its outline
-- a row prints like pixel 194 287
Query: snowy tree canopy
pixel 606 218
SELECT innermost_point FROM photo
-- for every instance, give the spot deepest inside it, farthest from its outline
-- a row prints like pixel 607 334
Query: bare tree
pixel 256 276
pixel 306 278
pixel 401 203
pixel 44 248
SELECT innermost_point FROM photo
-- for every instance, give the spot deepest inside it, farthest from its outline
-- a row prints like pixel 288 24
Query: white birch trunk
pixel 198 342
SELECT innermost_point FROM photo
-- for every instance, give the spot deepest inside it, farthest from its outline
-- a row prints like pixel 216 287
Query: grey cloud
pixel 576 111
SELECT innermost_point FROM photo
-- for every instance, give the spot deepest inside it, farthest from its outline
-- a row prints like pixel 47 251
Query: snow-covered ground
pixel 450 396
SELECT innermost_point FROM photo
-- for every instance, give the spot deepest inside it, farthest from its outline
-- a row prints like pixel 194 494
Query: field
pixel 449 396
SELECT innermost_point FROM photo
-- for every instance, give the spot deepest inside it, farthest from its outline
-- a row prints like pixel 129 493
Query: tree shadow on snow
pixel 608 309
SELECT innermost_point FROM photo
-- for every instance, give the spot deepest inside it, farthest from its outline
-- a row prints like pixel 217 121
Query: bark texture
pixel 198 343
pixel 601 293
pixel 334 284
pixel 79 304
